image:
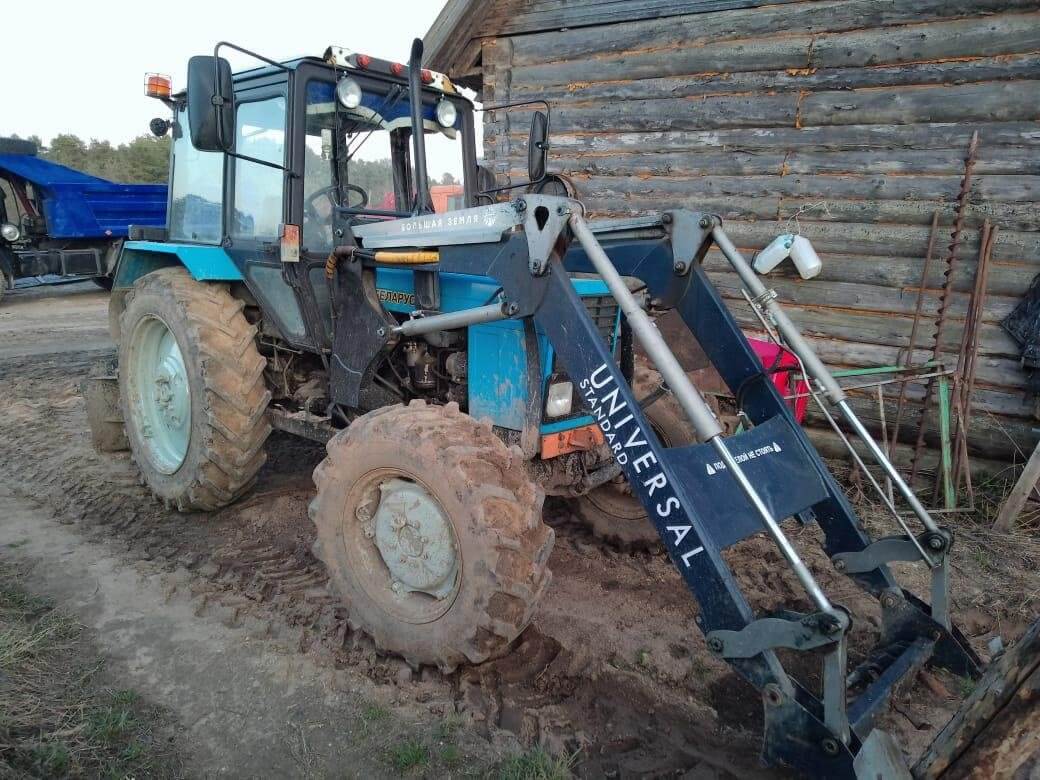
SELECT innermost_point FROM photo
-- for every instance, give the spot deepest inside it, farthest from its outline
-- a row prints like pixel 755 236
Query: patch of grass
pixel 372 715
pixel 412 754
pixel 450 756
pixel 965 685
pixel 536 764
pixel 56 719
pixel 448 728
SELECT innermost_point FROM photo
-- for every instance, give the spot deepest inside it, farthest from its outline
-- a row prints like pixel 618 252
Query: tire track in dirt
pixel 251 564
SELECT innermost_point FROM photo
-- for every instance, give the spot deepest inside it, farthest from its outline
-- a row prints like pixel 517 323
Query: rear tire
pixel 192 390
pixel 611 512
pixel 397 485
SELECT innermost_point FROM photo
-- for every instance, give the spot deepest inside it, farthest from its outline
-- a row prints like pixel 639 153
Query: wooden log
pixel 981 36
pixel 898 275
pixel 1001 68
pixel 998 160
pixel 863 297
pixel 866 137
pixel 698 29
pixel 992 101
pixel 996 731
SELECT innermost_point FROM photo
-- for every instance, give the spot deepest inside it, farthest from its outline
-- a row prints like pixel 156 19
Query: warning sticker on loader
pixel 743 457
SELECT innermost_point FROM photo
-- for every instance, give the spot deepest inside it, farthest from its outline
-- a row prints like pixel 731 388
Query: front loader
pixel 462 364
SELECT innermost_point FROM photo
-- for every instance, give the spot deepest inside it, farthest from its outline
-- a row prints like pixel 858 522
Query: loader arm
pixel 708 496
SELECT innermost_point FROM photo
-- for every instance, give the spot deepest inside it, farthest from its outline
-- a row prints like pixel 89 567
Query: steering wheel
pixel 330 193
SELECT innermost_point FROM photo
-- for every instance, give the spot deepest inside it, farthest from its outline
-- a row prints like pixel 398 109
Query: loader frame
pixel 530 246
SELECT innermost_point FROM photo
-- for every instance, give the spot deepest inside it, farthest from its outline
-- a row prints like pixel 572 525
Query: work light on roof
pixel 447 114
pixel 348 93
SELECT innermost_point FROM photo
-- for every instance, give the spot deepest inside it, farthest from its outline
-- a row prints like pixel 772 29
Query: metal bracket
pixel 892 548
pixel 795 632
pixel 545 217
pixel 690 234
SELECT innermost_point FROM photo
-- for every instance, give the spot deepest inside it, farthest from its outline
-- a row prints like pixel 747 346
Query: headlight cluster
pixel 559 399
pixel 10 232
pixel 447 114
pixel 348 93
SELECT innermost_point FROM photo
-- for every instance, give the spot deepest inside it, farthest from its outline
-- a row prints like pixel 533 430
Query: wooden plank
pixel 1016 500
pixel 945 451
pixel 996 731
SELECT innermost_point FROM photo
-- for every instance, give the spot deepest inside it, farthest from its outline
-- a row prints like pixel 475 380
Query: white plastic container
pixel 805 258
pixel 774 254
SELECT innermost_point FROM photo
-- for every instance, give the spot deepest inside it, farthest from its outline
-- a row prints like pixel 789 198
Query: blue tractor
pixel 58 222
pixel 462 365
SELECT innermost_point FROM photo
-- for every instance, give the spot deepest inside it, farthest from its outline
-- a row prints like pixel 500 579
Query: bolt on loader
pixel 462 364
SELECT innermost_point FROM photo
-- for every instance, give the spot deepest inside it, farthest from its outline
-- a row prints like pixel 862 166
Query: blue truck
pixel 59 222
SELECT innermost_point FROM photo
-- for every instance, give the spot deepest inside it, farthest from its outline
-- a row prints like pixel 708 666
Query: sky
pixel 78 67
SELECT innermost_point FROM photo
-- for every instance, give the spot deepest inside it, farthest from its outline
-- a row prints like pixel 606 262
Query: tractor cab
pixel 311 142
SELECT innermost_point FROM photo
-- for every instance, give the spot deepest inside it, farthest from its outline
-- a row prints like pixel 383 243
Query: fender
pixel 204 263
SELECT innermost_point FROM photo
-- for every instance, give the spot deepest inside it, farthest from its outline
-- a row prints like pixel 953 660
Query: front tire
pixel 192 390
pixel 432 534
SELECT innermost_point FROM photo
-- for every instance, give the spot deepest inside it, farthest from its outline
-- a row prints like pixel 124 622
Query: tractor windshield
pixel 369 146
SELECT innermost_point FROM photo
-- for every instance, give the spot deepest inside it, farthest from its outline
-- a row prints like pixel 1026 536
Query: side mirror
pixel 486 179
pixel 537 147
pixel 211 104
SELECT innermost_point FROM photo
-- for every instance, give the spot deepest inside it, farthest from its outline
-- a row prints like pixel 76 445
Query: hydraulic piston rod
pixel 693 404
pixel 817 370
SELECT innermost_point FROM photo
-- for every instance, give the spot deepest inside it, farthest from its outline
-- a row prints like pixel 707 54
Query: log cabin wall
pixel 845 120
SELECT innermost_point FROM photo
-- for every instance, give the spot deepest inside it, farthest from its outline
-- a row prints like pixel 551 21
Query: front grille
pixel 604 312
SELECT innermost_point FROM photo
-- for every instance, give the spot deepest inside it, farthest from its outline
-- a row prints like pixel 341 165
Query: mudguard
pixel 204 263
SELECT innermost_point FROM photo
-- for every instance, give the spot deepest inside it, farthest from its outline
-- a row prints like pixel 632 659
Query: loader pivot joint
pixel 790 630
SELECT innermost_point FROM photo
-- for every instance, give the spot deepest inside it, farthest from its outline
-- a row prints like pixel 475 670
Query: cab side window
pixel 197 189
pixel 260 133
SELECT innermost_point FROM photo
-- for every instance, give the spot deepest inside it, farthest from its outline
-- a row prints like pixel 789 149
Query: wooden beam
pixel 1016 500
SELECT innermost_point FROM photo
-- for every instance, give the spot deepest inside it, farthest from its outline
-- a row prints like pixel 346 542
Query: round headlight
pixel 348 93
pixel 447 113
pixel 10 232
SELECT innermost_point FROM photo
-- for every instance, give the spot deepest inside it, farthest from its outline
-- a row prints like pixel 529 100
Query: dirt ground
pixel 224 619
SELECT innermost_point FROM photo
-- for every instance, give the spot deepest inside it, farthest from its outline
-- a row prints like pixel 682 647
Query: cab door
pixel 256 203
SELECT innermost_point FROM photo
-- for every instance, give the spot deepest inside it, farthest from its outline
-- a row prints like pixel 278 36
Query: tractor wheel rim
pixel 160 395
pixel 401 537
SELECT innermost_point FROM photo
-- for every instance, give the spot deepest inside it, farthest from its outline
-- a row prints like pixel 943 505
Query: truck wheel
pixel 3 285
pixel 432 534
pixel 610 511
pixel 192 390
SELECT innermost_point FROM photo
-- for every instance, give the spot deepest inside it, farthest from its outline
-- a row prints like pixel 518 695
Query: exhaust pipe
pixel 423 202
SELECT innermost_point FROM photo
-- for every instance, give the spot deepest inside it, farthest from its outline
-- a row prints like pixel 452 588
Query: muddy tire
pixel 3 285
pixel 473 548
pixel 610 511
pixel 192 390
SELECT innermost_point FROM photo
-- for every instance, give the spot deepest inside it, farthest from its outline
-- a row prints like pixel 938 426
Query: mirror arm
pixel 218 100
pixel 545 147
